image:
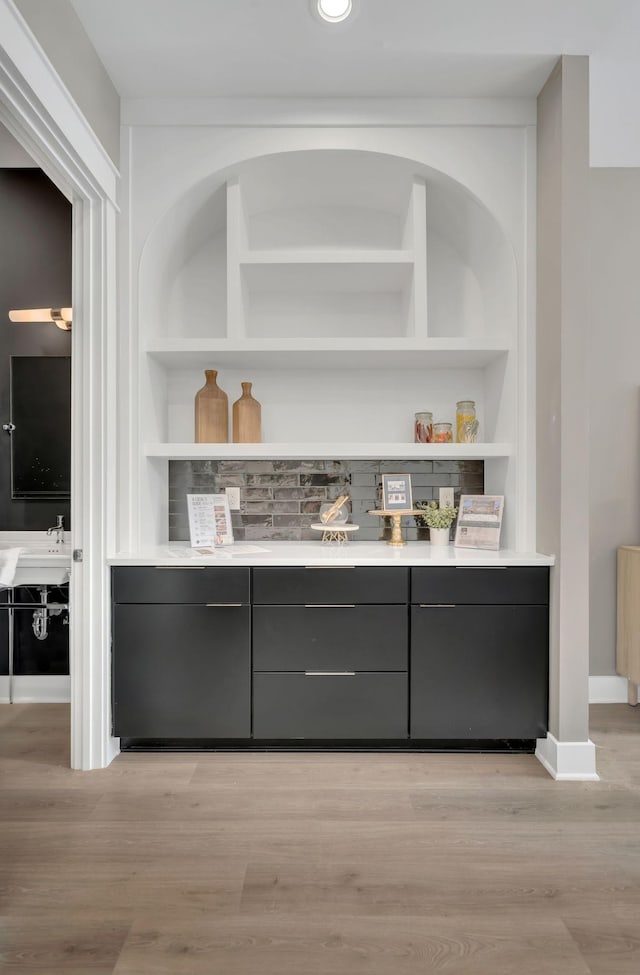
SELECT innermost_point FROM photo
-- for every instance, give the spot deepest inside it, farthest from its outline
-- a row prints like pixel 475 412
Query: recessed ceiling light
pixel 334 10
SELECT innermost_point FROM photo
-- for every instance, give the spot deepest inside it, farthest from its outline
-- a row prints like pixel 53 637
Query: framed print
pixel 396 492
pixel 479 521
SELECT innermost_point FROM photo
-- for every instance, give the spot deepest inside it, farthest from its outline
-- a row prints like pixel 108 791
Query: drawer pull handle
pixel 437 605
pixel 329 605
pixel 180 567
pixel 480 567
pixel 329 673
pixel 329 566
pixel 218 605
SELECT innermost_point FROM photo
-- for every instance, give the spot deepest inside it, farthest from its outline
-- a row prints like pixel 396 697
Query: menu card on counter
pixel 479 521
pixel 202 520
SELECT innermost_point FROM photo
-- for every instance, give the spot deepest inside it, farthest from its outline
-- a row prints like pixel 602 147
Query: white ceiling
pixel 403 48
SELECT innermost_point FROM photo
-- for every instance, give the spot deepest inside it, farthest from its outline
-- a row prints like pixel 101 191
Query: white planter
pixel 439 536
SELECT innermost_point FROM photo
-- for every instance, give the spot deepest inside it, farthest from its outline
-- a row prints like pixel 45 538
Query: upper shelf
pixel 310 255
pixel 332 451
pixel 378 353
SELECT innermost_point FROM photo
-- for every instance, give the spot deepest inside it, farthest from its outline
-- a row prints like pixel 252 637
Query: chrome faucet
pixel 58 529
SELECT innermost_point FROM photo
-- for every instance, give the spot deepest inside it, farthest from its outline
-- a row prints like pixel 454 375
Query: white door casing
pixel 39 112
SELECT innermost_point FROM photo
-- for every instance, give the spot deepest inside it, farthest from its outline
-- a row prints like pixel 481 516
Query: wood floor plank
pixel 53 943
pixel 442 883
pixel 337 946
pixel 249 804
pixel 608 948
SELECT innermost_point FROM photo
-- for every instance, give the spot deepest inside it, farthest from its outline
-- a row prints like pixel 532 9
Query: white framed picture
pixel 396 492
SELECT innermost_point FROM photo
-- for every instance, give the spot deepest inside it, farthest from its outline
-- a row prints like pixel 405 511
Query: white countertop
pixel 317 553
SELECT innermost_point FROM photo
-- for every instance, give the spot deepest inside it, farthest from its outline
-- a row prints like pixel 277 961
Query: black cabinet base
pixel 502 747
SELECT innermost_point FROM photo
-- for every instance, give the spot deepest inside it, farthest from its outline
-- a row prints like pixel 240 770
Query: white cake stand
pixel 335 533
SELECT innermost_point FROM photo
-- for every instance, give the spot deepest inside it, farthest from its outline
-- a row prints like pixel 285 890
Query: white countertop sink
pixel 41 561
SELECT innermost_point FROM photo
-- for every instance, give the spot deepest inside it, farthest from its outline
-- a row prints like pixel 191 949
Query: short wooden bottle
pixel 212 411
pixel 247 417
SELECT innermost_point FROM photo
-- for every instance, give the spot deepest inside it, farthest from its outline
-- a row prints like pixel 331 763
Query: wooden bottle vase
pixel 211 411
pixel 247 418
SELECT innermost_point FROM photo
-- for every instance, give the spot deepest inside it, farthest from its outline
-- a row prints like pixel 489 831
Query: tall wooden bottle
pixel 211 411
pixel 247 418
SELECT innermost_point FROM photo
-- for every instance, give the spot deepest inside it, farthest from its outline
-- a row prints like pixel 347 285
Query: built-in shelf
pixel 329 451
pixel 353 255
pixel 381 353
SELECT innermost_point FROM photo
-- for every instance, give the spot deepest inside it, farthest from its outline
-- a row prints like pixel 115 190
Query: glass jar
pixel 442 433
pixel 466 423
pixel 424 428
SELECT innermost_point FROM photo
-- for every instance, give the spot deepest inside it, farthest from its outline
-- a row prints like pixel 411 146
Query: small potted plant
pixel 438 520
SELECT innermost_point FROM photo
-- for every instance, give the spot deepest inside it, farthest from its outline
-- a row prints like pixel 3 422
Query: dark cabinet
pixel 370 653
pixel 180 584
pixel 479 669
pixel 348 637
pixel 330 706
pixel 181 670
pixel 362 584
pixel 330 653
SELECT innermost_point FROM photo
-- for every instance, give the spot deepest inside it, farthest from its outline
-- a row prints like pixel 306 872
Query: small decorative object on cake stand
pixel 396 502
pixel 333 521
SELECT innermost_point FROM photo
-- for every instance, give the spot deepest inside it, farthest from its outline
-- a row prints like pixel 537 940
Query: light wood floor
pixel 292 864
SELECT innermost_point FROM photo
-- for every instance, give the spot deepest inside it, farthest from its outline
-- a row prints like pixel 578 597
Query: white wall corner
pixel 609 689
pixel 568 761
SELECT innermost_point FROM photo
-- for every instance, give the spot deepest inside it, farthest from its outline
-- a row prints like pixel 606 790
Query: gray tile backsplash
pixel 280 498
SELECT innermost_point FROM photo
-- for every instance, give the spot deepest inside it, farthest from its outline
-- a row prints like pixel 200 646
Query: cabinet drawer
pixel 497 586
pixel 180 584
pixel 326 584
pixel 330 707
pixel 330 637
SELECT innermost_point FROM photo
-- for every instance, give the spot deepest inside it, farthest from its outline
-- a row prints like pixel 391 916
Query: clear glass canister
pixel 442 433
pixel 424 428
pixel 466 423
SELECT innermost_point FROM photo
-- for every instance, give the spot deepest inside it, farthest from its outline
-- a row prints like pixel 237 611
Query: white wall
pixel 12 155
pixel 66 44
pixel 562 391
pixel 614 469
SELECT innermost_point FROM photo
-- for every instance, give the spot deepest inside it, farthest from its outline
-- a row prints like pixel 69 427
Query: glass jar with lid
pixel 442 433
pixel 466 422
pixel 424 428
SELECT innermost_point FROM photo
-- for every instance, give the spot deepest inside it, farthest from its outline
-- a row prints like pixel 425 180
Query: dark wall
pixel 35 272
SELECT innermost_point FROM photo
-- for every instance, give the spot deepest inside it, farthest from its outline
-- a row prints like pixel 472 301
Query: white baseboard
pixel 41 690
pixel 4 690
pixel 608 690
pixel 570 761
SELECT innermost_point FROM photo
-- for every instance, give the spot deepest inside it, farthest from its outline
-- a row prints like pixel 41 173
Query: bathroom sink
pixel 41 561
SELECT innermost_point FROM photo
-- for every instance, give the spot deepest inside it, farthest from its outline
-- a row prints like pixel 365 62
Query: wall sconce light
pixel 62 317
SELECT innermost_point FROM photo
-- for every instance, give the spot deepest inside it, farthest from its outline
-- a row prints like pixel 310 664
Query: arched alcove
pixel 336 206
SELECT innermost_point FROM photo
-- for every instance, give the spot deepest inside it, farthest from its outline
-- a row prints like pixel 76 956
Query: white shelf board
pixel 330 451
pixel 334 277
pixel 377 353
pixel 340 256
